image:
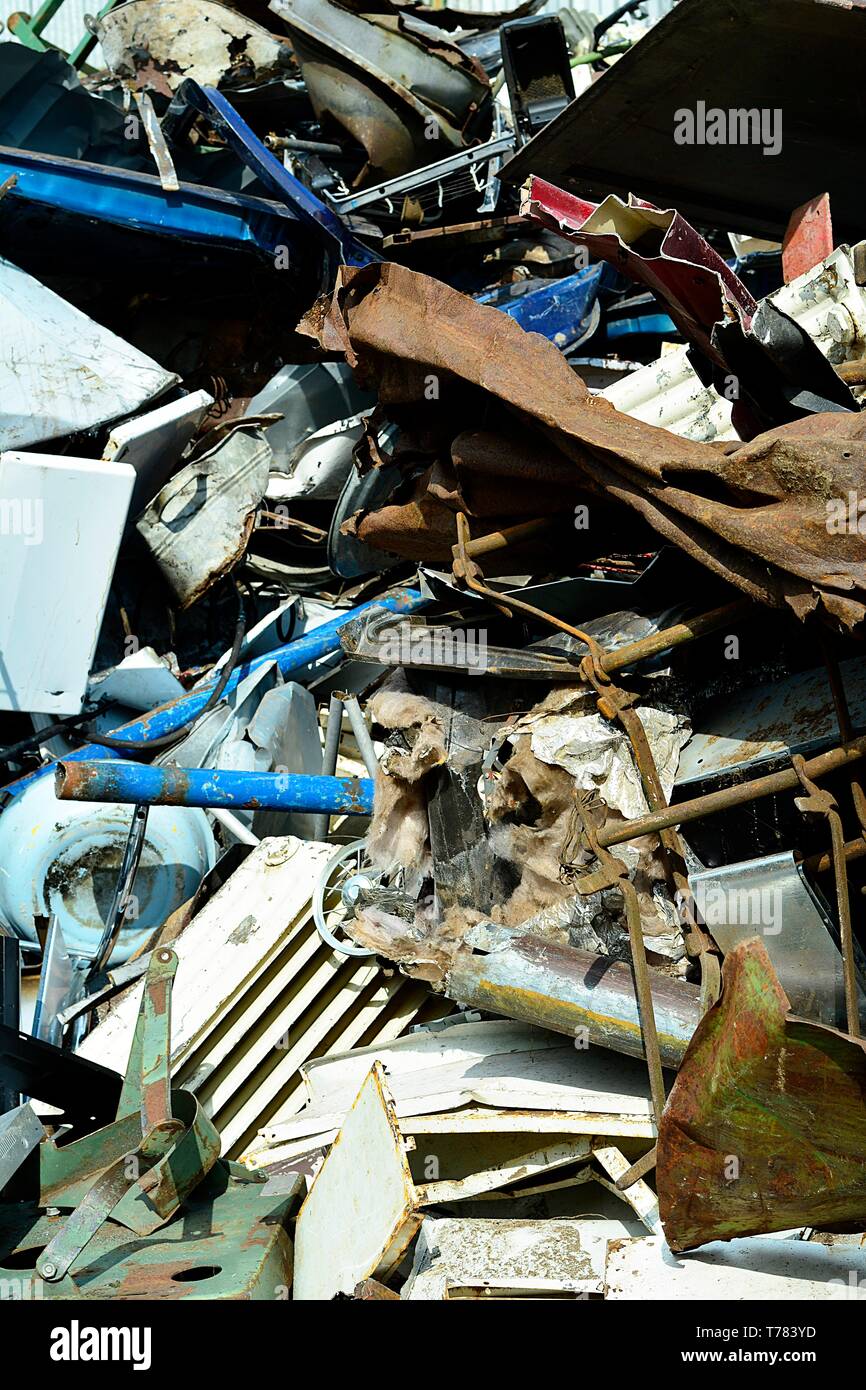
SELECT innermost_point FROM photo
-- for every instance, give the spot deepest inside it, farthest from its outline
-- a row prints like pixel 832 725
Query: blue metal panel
pixel 138 201
pixel 561 310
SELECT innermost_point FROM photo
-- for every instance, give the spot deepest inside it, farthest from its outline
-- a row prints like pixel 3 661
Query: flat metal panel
pixel 61 520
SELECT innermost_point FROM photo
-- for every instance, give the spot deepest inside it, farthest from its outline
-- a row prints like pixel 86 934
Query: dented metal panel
pixel 396 92
pixel 360 1215
pixel 765 1127
pixel 63 372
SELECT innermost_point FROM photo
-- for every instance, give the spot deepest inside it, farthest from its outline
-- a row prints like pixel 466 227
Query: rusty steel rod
pixel 785 780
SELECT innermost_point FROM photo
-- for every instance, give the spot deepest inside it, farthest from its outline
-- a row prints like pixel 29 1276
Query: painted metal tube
pixel 290 659
pixel 590 999
pixel 322 823
pixel 208 787
pixel 362 733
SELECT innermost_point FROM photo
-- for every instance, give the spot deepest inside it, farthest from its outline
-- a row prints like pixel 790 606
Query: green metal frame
pixel 28 30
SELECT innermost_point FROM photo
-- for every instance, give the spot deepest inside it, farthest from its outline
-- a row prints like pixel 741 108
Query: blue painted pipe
pixel 290 659
pixel 140 785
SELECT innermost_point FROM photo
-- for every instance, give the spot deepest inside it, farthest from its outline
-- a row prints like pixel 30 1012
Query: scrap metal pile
pixel 432 692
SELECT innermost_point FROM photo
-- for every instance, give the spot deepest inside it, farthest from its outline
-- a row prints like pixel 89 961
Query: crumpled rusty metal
pixel 756 515
pixel 157 44
pixel 765 1127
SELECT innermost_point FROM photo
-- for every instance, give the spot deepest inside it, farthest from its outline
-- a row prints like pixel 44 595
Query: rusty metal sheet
pixel 757 515
pixel 765 1127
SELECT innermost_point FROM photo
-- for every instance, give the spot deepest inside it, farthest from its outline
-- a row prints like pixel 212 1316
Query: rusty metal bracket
pixel 617 704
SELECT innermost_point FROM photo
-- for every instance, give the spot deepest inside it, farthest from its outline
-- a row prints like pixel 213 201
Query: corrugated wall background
pixel 67 27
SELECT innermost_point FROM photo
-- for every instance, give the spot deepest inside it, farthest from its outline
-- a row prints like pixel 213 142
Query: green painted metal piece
pixel 141 1168
pixel 765 1127
pixel 231 1242
pixel 29 29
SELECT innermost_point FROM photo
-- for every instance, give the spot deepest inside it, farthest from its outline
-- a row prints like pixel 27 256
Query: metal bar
pixel 837 841
pixel 637 1170
pixel 322 824
pixel 821 863
pixel 677 635
pixel 290 660
pixel 234 826
pixel 362 733
pixel 643 990
pixel 511 535
pixel 846 929
pixel 139 784
pixel 740 795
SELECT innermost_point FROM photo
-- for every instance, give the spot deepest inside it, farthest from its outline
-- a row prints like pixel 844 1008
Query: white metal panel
pixel 153 443
pixel 504 1257
pixel 735 1271
pixel 60 372
pixel 61 520
pixel 498 1063
pixel 360 1214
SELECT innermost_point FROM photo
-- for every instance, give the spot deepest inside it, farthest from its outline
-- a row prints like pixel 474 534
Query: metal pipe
pixel 362 733
pixel 590 999
pixel 209 787
pixel 644 996
pixel 739 795
pixel 235 827
pixel 322 823
pixel 677 635
pixel 290 660
pixel 820 863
